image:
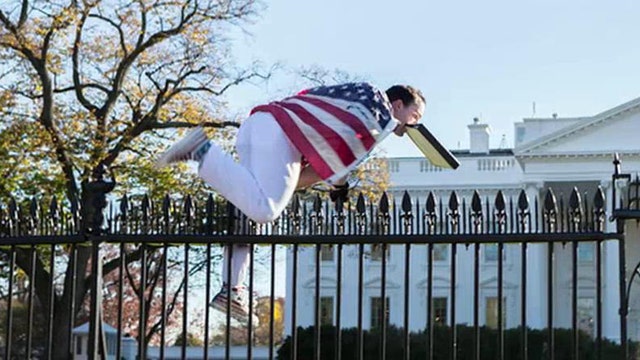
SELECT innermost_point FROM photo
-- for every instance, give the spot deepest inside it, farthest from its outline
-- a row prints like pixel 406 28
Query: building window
pixel 394 166
pixel 78 345
pixel 440 252
pixel 439 311
pixel 376 313
pixel 586 252
pixel 327 252
pixel 426 166
pixel 326 310
pixel 520 131
pixel 491 312
pixel 491 253
pixel 376 252
pixel 586 314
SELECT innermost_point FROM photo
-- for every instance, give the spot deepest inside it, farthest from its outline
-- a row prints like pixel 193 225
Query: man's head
pixel 407 105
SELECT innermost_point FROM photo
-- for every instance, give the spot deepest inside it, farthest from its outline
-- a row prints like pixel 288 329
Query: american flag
pixel 334 127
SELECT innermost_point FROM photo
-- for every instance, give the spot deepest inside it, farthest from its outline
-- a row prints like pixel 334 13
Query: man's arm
pixel 308 177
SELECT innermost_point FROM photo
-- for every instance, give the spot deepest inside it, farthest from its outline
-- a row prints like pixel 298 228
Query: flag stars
pixel 364 94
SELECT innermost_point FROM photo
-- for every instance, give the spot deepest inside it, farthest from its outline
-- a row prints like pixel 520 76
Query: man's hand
pixel 308 177
pixel 340 192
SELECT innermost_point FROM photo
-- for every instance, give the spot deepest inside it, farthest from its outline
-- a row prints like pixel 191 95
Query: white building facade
pixel 81 343
pixel 557 153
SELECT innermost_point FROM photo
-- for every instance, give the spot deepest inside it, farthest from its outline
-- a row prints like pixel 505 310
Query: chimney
pixel 478 137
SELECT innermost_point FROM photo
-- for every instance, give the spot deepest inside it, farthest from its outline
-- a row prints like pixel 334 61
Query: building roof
pixel 464 153
pixel 492 152
pixel 584 124
pixel 84 329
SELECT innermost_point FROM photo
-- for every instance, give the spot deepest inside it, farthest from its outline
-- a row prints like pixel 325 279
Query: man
pixel 320 134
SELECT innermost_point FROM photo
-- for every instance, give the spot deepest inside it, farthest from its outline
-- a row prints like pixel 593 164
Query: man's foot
pixel 239 304
pixel 192 147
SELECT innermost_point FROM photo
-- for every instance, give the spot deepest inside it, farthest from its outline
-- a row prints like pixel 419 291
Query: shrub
pixel 537 344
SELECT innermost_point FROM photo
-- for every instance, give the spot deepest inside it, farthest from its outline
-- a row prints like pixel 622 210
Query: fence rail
pixel 184 216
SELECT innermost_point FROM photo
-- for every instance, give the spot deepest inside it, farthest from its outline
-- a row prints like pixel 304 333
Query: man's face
pixel 407 115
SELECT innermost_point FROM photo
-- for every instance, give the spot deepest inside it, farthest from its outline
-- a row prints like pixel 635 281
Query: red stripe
pixel 298 139
pixel 336 141
pixel 346 117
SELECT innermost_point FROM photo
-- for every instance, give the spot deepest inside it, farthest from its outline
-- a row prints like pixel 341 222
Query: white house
pixel 549 152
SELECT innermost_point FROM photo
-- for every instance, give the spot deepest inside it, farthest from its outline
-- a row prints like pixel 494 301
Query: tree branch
pixel 131 281
pixel 82 86
pixel 183 124
pixel 46 119
pixel 78 87
pixel 170 308
pixel 115 263
pixel 133 132
pixel 8 24
pixel 45 44
pixel 23 13
pixel 128 60
pixel 147 120
pixel 220 92
pixel 118 27
pixel 28 95
pixel 46 113
pixel 143 24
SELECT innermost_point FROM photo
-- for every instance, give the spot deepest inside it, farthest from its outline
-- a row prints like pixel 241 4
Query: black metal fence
pixel 150 252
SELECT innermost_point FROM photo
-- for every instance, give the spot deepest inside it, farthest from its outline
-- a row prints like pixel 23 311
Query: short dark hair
pixel 408 94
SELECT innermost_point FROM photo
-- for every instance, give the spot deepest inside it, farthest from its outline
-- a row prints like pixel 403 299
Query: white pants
pixel 260 185
pixel 239 265
pixel 263 182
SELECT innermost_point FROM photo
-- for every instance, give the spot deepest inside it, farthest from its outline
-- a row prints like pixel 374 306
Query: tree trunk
pixel 62 325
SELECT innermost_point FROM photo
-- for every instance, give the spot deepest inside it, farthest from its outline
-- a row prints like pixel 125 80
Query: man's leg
pixel 262 184
pixel 239 265
pixel 264 180
pixel 233 284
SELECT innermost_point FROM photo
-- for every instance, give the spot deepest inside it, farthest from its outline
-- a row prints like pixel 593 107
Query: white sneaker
pixel 239 304
pixel 192 147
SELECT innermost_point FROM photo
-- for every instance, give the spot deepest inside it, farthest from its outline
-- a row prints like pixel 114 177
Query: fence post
pixel 620 212
pixel 94 201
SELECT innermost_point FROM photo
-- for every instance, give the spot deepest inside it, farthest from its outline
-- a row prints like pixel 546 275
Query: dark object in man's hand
pixel 340 192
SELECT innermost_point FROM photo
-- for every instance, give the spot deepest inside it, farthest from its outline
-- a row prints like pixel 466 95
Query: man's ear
pixel 397 104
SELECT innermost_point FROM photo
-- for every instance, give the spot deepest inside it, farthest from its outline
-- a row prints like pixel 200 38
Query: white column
pixel 465 284
pixel 350 287
pixel 536 268
pixel 611 275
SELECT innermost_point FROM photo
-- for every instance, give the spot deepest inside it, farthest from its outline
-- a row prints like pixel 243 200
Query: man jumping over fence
pixel 320 134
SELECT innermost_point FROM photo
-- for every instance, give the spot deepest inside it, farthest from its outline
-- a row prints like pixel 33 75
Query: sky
pixel 489 59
